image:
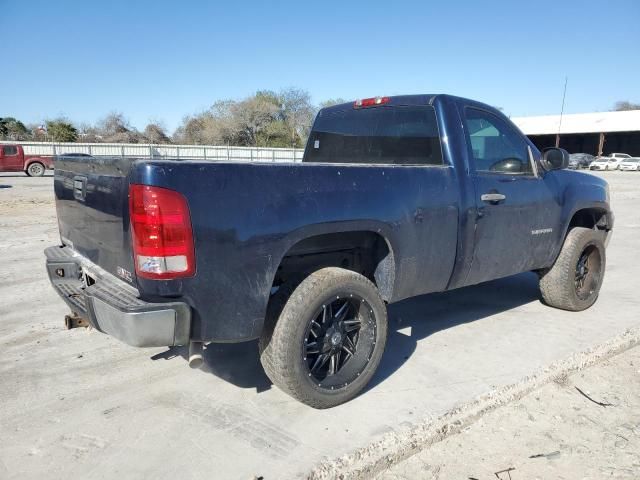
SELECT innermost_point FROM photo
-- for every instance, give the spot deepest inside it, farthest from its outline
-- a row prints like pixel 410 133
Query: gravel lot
pixel 80 404
pixel 554 432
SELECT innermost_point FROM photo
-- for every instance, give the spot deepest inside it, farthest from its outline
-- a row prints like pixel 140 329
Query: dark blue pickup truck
pixel 396 197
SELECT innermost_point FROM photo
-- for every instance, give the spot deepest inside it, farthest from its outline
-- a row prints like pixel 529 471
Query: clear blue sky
pixel 163 60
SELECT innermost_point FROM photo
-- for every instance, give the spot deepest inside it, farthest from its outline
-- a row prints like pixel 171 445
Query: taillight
pixel 370 102
pixel 161 233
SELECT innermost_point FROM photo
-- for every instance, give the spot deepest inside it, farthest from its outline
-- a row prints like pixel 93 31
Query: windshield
pixel 391 135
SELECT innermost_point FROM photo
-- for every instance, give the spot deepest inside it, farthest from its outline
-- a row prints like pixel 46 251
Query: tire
pixel 566 285
pixel 35 169
pixel 345 313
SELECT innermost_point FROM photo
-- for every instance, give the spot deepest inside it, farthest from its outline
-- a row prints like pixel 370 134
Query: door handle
pixel 492 197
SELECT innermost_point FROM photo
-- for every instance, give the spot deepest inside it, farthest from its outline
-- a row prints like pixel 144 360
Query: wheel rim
pixel 35 169
pixel 339 341
pixel 588 271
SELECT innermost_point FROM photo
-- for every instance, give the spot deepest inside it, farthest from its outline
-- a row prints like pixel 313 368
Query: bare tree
pixel 154 132
pixel 298 113
pixel 115 128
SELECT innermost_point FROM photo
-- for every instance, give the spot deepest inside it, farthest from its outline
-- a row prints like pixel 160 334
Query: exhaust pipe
pixel 195 354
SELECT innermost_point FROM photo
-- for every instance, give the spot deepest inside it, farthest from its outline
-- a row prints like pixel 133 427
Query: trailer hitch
pixel 74 321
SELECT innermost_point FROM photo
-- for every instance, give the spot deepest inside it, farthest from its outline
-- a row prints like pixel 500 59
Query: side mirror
pixel 555 159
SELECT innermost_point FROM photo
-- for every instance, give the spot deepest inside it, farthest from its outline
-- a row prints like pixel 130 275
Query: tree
pixel 625 105
pixel 297 113
pixel 12 129
pixel 265 119
pixel 88 133
pixel 61 130
pixel 251 117
pixel 155 133
pixel 114 128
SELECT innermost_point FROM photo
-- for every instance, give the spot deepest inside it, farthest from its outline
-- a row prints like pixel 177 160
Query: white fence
pixel 182 152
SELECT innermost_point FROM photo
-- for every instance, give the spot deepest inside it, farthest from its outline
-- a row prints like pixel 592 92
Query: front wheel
pixel 574 281
pixel 35 169
pixel 328 339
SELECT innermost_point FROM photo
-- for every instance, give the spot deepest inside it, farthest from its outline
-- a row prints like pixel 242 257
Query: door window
pixel 10 150
pixel 495 146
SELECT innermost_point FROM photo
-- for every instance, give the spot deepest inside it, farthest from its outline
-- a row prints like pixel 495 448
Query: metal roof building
pixel 595 133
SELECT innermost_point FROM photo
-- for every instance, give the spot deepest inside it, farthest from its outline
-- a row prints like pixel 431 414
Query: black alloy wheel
pixel 339 341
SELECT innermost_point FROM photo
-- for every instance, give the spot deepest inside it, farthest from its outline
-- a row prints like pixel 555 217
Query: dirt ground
pixel 581 426
pixel 80 404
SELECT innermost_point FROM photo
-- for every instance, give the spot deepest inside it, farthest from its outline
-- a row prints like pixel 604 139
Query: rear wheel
pixel 328 339
pixel 35 169
pixel 574 281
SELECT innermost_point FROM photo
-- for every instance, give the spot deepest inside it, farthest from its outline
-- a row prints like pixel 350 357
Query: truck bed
pixel 247 217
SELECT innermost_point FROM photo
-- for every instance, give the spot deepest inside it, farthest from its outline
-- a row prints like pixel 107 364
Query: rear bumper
pixel 112 306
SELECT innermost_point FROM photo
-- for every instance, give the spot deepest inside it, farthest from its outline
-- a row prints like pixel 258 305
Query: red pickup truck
pixel 13 159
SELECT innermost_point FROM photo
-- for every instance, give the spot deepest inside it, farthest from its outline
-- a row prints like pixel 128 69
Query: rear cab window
pixel 398 135
pixel 9 150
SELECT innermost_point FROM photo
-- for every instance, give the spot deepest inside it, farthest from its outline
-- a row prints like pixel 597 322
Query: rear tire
pixel 574 281
pixel 328 339
pixel 35 169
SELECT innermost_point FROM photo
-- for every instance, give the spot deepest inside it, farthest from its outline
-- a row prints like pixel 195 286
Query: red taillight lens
pixel 161 233
pixel 370 102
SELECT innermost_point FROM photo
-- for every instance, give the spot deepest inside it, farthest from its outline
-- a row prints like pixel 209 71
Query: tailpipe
pixel 195 354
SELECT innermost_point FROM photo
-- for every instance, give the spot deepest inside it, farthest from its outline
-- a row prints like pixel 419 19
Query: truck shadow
pixel 429 314
pixel 239 364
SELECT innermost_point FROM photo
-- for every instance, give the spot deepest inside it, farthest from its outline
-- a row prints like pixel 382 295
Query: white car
pixel 610 162
pixel 621 156
pixel 632 163
pixel 605 163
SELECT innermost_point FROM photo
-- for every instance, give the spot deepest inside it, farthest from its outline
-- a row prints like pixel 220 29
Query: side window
pixel 9 150
pixel 496 147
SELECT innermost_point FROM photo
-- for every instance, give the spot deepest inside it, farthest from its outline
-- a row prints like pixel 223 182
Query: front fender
pixel 582 191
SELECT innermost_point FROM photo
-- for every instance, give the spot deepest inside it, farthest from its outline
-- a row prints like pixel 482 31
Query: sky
pixel 161 60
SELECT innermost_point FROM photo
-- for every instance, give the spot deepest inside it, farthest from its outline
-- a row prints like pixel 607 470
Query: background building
pixel 594 133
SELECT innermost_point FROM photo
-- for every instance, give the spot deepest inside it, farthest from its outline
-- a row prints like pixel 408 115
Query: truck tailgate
pixel 93 213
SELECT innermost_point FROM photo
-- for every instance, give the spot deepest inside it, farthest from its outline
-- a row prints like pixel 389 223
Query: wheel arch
pixel 31 161
pixel 366 249
pixel 591 217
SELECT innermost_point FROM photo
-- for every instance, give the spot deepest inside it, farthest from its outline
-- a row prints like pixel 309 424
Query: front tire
pixel 35 169
pixel 574 281
pixel 328 339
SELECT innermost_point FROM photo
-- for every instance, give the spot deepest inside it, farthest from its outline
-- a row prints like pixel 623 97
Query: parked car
pixel 621 156
pixel 630 164
pixel 13 159
pixel 306 256
pixel 609 162
pixel 580 160
pixel 605 163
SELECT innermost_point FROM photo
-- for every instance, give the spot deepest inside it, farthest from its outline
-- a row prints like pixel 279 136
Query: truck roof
pixel 419 99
